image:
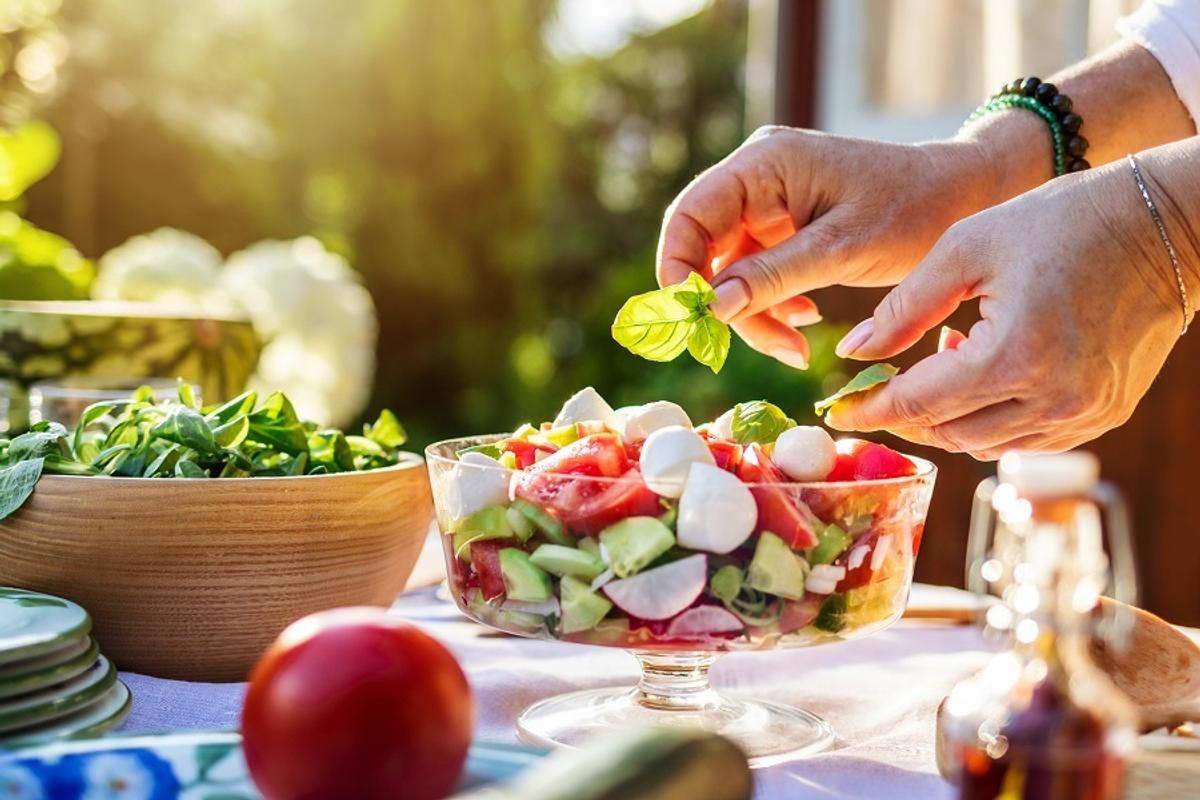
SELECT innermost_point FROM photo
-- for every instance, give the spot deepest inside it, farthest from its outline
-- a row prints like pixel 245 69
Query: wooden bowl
pixel 193 578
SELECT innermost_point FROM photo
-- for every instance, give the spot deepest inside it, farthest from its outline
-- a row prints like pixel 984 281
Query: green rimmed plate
pixel 106 713
pixel 57 701
pixel 28 666
pixel 32 624
pixel 52 671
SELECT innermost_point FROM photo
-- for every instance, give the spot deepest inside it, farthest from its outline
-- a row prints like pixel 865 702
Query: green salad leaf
pixel 16 484
pixel 144 438
pixel 759 422
pixel 869 378
pixel 661 324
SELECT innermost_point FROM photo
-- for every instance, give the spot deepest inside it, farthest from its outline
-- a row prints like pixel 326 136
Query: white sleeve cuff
pixel 1170 30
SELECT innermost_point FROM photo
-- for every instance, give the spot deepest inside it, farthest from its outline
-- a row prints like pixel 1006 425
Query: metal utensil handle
pixel 1122 564
pixel 980 535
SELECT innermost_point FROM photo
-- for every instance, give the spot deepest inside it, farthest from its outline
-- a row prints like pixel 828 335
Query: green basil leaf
pixel 143 394
pixel 185 426
pixel 759 421
pixel 709 342
pixel 189 469
pixel 661 324
pixel 869 378
pixel 386 431
pixel 17 483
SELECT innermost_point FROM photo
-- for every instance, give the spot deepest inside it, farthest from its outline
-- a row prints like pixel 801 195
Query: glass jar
pixel 1041 720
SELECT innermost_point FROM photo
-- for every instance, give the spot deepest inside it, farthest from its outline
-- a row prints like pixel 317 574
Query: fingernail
pixel 732 297
pixel 855 338
pixel 799 319
pixel 793 358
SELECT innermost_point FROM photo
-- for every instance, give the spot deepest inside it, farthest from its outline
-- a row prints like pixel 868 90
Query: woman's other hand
pixel 1079 306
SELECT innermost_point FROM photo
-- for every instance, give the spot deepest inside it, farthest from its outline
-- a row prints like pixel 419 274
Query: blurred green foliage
pixel 500 202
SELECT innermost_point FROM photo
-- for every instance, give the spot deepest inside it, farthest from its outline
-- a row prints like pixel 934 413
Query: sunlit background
pixel 438 206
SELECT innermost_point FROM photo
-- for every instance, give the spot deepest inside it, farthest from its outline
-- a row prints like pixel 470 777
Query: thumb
pixel 763 279
pixel 921 301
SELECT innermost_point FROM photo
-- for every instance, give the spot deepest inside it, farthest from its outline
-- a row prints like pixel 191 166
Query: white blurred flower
pixel 19 783
pixel 115 776
pixel 318 321
pixel 167 266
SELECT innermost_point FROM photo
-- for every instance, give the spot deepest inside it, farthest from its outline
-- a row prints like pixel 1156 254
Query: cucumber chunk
pixel 582 609
pixel 489 523
pixel 831 541
pixel 634 542
pixel 563 561
pixel 544 521
pixel 523 580
pixel 775 569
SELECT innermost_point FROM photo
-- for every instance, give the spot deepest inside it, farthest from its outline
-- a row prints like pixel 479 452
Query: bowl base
pixel 769 733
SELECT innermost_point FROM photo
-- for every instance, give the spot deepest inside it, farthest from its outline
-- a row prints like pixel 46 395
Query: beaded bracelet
pixel 1055 108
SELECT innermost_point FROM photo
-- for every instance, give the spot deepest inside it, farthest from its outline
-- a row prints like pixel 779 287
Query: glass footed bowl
pixel 873 527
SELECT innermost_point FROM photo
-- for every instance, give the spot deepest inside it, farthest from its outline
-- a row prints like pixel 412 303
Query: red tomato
pixel 778 511
pixel 599 454
pixel 728 455
pixel 356 703
pixel 628 497
pixel 843 468
pixel 525 452
pixel 918 533
pixel 863 574
pixel 874 461
pixel 485 561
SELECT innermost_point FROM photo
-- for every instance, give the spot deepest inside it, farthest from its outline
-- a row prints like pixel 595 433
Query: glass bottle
pixel 1042 721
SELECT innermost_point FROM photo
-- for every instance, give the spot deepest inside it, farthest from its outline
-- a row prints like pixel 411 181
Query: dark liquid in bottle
pixel 1049 750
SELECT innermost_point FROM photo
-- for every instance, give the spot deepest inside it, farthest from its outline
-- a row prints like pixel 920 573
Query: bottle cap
pixel 1038 475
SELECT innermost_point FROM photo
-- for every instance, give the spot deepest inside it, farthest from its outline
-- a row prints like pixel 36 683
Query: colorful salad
pixel 634 528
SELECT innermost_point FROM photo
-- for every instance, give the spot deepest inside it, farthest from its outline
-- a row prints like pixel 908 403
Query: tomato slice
pixel 628 497
pixel 874 461
pixel 778 511
pixel 525 452
pixel 728 455
pixel 600 454
pixel 485 561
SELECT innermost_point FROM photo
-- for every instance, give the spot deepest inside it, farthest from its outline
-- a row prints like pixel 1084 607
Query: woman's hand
pixel 1079 307
pixel 792 210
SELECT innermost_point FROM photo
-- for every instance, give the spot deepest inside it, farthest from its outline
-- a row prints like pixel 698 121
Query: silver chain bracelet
pixel 1166 240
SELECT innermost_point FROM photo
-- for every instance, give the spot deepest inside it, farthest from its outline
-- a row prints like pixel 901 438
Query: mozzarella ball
pixel 587 405
pixel 805 453
pixel 641 421
pixel 476 482
pixel 716 512
pixel 722 426
pixel 668 454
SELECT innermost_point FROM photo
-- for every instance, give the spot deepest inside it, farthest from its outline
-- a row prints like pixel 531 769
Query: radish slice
pixel 704 620
pixel 662 592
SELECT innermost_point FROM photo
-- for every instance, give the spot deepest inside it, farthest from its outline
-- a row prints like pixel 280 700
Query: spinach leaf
pixel 16 484
pixel 331 450
pixel 41 440
pixel 184 425
pixel 386 431
pixel 90 414
pixel 869 378
pixel 242 404
pixel 759 421
pixel 276 425
pixel 661 324
pixel 189 469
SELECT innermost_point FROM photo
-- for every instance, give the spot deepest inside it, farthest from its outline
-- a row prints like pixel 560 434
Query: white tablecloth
pixel 879 693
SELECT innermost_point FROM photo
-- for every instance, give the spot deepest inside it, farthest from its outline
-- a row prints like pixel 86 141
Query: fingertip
pixel 673 272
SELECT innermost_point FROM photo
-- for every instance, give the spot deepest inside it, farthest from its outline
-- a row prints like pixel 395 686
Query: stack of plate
pixel 54 682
